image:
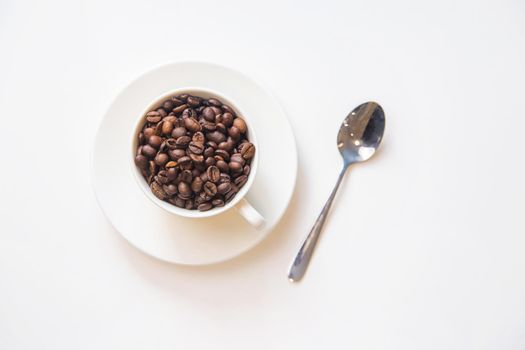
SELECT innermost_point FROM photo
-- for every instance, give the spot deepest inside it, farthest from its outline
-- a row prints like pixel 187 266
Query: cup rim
pixel 141 182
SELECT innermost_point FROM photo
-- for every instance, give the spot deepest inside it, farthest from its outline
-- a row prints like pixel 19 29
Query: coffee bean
pixel 228 109
pixel 205 206
pixel 184 161
pixel 172 173
pixel 208 114
pixel 210 189
pixel 184 189
pixel 217 110
pixel 224 188
pixel 189 204
pixel 141 161
pixel 178 132
pixel 217 202
pixel 180 109
pixel 223 154
pixel 176 101
pixel 237 157
pixel 240 124
pixel 183 141
pixel 153 117
pixel 170 189
pixel 220 127
pixel 186 176
pixel 142 139
pixel 227 146
pixel 211 144
pixel 213 174
pixel 229 196
pixel 193 101
pixel 198 137
pixel 163 177
pixel 176 154
pixel 179 202
pixel 224 178
pixel 209 161
pixel 162 112
pixel 209 127
pixel 241 180
pixel 149 151
pixel 155 141
pixel 204 177
pixel 167 127
pixel 161 159
pixel 196 147
pixel 222 165
pixel 192 125
pixel 235 167
pixel 216 136
pixel 227 119
pixel 196 184
pixel 148 132
pixel 197 158
pixel 209 152
pixel 246 170
pixel 214 102
pixel 247 150
pixel 234 133
pixel 158 191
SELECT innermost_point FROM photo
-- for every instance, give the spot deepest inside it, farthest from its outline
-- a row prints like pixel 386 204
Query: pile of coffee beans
pixel 194 152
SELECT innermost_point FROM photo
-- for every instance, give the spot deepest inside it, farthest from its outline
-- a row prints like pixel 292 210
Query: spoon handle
pixel 304 255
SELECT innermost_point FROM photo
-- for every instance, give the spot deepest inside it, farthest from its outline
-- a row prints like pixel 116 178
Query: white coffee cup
pixel 250 214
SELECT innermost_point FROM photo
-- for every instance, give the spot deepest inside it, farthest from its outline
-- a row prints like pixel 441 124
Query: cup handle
pixel 249 213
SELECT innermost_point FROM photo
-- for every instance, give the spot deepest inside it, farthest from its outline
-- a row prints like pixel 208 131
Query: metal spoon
pixel 357 140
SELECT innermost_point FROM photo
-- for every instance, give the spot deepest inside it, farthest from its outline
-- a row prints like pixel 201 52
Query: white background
pixel 425 247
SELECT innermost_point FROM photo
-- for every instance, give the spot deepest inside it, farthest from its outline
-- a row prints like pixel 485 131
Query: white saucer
pixel 184 240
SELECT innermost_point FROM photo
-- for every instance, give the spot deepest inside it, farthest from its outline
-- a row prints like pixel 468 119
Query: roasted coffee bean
pixel 161 159
pixel 155 141
pixel 189 204
pixel 162 176
pixel 192 125
pixel 149 151
pixel 183 141
pixel 141 161
pixel 196 147
pixel 240 124
pixel 178 110
pixel 241 180
pixel 209 127
pixel 209 152
pixel 178 132
pixel 184 189
pixel 168 105
pixel 224 178
pixel 172 173
pixel 210 189
pixel 198 137
pixel 194 152
pixel 176 154
pixel 223 166
pixel 167 127
pixel 227 119
pixel 209 161
pixel 186 176
pixel 208 114
pixel 158 191
pixel 153 117
pixel 214 102
pixel 193 101
pixel 205 206
pixel 196 184
pixel 237 157
pixel 197 158
pixel 217 202
pixel 248 150
pixel 216 137
pixel 223 154
pixel 213 174
pixel 235 167
pixel 228 109
pixel 170 189
pixel 162 112
pixel 224 188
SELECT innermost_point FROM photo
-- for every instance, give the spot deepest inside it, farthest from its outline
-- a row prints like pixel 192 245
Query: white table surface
pixel 425 247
